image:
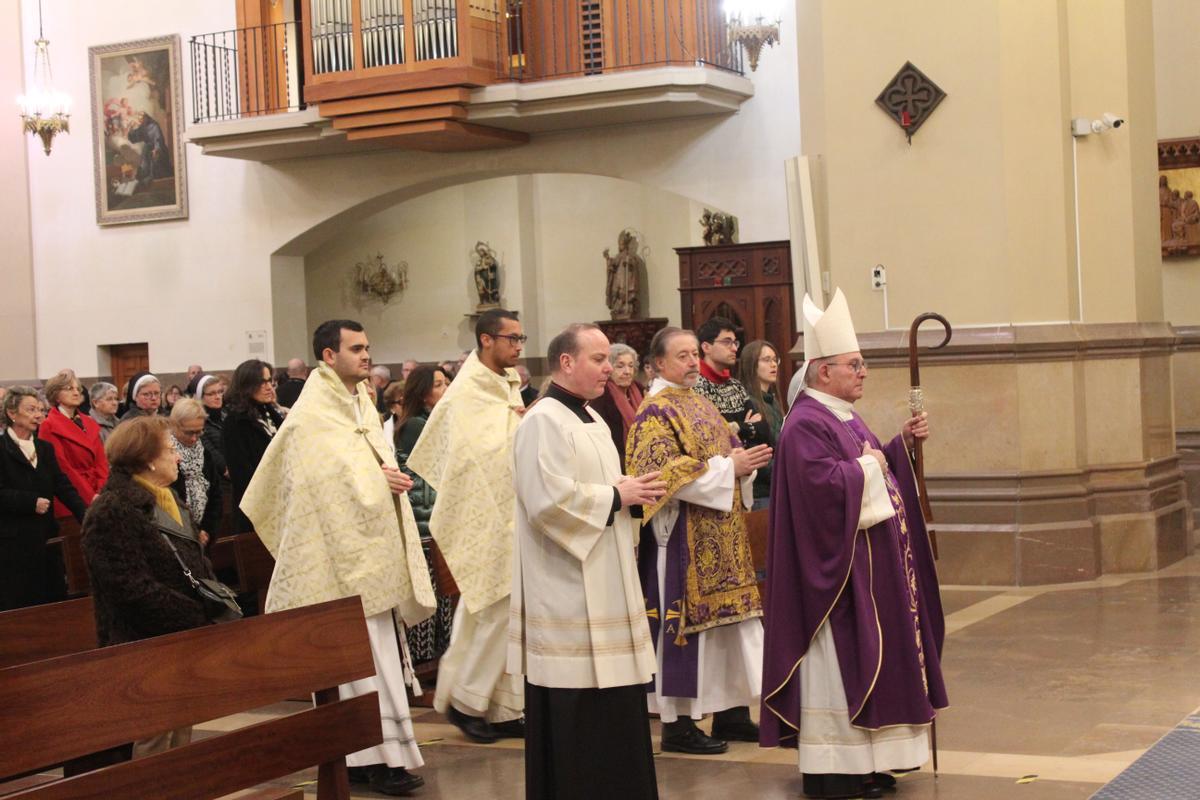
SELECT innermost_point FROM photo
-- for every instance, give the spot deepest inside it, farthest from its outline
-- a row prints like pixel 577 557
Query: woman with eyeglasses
pixel 758 370
pixel 30 481
pixel 210 391
pixel 105 400
pixel 75 437
pixel 144 398
pixel 199 482
pixel 251 421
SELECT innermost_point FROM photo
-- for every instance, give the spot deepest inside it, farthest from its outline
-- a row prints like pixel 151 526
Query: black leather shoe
pixel 735 731
pixel 832 786
pixel 360 774
pixel 734 725
pixel 684 737
pixel 882 779
pixel 477 729
pixel 393 780
pixel 513 729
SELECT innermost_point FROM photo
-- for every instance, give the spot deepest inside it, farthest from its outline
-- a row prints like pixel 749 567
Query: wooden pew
pixel 46 631
pixel 69 543
pixel 53 711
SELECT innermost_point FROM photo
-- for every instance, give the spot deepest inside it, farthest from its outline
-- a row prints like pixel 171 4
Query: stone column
pixel 1054 455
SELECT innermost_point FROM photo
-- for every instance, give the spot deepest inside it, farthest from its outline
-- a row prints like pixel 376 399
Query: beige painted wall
pixel 976 217
pixel 193 288
pixel 548 231
pixel 16 298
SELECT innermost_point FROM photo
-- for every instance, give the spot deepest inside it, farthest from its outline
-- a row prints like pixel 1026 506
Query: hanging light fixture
pixel 44 109
pixel 753 24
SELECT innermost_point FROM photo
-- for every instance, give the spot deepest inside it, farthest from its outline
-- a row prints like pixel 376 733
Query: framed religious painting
pixel 137 131
pixel 1179 196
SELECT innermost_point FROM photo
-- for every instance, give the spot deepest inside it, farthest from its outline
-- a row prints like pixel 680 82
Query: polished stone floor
pixel 1055 690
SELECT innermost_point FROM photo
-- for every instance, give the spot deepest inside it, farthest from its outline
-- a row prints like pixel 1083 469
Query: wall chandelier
pixel 753 24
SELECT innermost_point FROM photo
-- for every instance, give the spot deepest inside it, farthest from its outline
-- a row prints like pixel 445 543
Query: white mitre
pixel 826 333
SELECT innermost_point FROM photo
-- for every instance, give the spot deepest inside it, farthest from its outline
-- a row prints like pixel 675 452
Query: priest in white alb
pixel 696 567
pixel 329 502
pixel 578 628
pixel 465 454
pixel 852 670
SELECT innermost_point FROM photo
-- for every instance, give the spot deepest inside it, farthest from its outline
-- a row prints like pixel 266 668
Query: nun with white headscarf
pixel 144 398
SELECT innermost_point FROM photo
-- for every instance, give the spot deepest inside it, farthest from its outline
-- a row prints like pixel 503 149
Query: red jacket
pixel 80 455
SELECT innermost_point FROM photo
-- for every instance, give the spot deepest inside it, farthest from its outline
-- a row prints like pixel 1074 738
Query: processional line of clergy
pixel 594 592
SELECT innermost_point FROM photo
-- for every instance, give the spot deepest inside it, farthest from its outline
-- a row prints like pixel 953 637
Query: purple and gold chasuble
pixel 710 578
pixel 876 588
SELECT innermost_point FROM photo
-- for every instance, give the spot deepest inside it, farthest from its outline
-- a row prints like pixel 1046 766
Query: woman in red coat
pixel 75 438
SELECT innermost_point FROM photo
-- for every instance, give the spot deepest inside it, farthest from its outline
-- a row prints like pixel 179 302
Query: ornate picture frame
pixel 1178 191
pixel 137 131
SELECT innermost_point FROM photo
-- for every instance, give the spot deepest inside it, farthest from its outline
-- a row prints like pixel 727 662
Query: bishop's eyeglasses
pixel 856 365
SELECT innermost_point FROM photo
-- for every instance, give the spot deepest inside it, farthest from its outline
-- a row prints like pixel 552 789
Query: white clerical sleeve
pixel 713 489
pixel 876 503
pixel 572 514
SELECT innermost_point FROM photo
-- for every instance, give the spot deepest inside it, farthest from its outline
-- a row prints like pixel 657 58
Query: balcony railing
pixel 246 72
pixel 348 48
pixel 554 39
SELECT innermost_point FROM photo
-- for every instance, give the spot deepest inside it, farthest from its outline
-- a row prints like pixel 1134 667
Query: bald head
pixel 296 368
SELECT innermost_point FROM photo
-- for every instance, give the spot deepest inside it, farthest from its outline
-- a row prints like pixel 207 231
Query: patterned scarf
pixel 191 464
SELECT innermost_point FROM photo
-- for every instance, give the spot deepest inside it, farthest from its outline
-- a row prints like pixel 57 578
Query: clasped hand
pixel 746 460
pixel 645 490
pixel 398 482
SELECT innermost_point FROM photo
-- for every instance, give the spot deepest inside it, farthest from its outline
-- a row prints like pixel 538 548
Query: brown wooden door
pixel 128 360
pixel 749 284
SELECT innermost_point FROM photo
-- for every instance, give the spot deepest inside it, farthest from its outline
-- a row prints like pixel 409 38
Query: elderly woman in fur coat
pixel 138 584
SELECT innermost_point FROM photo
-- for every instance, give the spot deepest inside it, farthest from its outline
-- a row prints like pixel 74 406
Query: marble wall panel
pixel 1047 394
pixel 1112 393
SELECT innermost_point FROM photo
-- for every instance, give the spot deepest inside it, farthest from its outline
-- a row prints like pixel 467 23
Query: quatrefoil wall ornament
pixel 909 98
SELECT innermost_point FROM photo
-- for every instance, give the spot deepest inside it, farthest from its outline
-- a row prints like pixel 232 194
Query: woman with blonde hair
pixel 75 437
pixel 199 482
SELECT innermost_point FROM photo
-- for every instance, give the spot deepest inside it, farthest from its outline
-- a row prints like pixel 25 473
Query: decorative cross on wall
pixel 910 98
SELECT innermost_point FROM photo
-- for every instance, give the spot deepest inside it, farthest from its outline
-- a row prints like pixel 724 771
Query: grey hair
pixel 661 340
pixel 381 371
pixel 620 349
pixel 99 389
pixel 16 394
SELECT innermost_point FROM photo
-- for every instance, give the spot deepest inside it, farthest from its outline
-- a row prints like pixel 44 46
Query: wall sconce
pixel 375 280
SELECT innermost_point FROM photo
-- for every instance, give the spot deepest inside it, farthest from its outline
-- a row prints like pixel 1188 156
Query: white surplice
pixel 730 656
pixel 578 617
pixel 828 743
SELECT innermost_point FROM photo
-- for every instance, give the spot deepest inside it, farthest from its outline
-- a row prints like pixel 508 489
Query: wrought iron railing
pixel 246 72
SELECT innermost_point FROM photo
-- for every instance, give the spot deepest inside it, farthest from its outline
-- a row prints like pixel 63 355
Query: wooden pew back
pixel 52 711
pixel 46 631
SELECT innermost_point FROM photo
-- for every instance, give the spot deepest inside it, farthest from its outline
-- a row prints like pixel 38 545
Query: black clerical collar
pixel 572 401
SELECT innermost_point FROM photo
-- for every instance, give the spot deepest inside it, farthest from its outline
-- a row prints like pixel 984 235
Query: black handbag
pixel 220 602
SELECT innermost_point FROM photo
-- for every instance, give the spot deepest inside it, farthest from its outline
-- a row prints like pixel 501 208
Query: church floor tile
pixel 1056 690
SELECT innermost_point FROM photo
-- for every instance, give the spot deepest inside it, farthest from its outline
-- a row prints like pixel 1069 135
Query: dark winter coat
pixel 138 587
pixel 30 574
pixel 244 440
pixel 212 437
pixel 421 496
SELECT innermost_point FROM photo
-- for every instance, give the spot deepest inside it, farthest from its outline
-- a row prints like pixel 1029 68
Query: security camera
pixel 1111 120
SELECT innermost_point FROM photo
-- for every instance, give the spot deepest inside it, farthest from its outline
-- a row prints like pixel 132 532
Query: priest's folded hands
pixel 746 460
pixel 916 427
pixel 645 490
pixel 398 482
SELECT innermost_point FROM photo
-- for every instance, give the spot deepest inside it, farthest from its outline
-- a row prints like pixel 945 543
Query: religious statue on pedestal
pixel 487 276
pixel 624 271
